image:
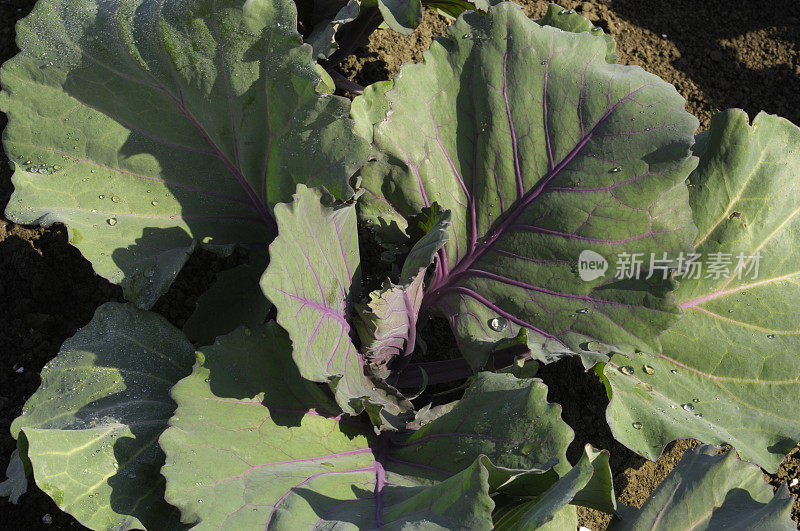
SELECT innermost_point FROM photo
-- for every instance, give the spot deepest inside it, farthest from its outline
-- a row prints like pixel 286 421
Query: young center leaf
pixel 91 429
pixel 252 444
pixel 387 325
pixel 541 150
pixel 313 280
pixel 145 126
pixel 711 491
pixel 730 369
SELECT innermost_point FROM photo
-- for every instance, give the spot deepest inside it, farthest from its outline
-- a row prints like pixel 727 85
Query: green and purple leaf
pixel 147 126
pixel 387 325
pixel 729 372
pixel 313 272
pixel 91 429
pixel 252 444
pixel 541 149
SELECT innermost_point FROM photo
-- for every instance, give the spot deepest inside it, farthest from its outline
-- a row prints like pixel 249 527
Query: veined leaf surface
pixel 252 444
pixel 145 126
pixel 541 150
pixel 313 280
pixel 91 429
pixel 730 369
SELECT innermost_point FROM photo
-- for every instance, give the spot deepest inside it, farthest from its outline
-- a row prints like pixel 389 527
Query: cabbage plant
pixel 518 184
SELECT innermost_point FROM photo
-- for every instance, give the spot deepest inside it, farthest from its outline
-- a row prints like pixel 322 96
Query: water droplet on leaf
pixel 111 221
pixel 637 425
pixel 648 369
pixel 498 324
pixel 627 369
pixel 615 169
pixel 688 407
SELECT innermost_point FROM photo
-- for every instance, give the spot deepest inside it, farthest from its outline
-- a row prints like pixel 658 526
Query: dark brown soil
pixel 719 54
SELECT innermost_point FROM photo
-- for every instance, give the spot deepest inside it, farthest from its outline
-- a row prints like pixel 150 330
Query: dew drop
pixel 637 425
pixel 93 171
pixel 582 310
pixel 595 30
pixel 544 62
pixel 698 415
pixel 115 199
pixel 674 371
pixel 688 407
pixel 101 197
pixel 154 203
pixel 498 324
pixel 627 369
pixel 695 400
pixel 770 336
pixel 149 272
pixel 111 221
pixel 648 369
pixel 615 169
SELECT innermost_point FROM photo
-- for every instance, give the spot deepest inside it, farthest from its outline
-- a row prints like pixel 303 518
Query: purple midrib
pixel 462 268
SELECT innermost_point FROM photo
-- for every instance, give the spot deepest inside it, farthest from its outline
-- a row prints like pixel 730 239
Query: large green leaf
pixel 542 150
pixel 91 429
pixel 489 420
pixel 147 125
pixel 707 491
pixel 730 369
pixel 314 269
pixel 252 444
